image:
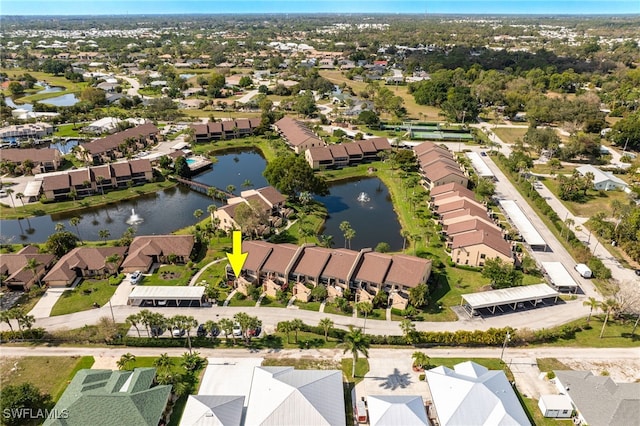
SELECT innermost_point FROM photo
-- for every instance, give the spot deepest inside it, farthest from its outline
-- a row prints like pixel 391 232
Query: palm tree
pixel 188 324
pixel 99 180
pixel 211 209
pixel 19 196
pixel 296 325
pixel 326 241
pixel 75 221
pixel 211 192
pixel 344 227
pixel 125 361
pixel 104 234
pixel 163 363
pixel 7 316
pixel 25 321
pixel 366 308
pixel 231 188
pixel 408 330
pixel 59 227
pixel 134 320
pixel 326 324
pixel 112 261
pixel 405 234
pixel 421 360
pixel 226 325
pixel 350 234
pixel 355 342
pixel 247 183
pixel 32 265
pixel 198 213
pixel 306 231
pixel 284 327
pixel 416 238
pixel 592 303
pixel 609 306
pixel 10 192
pixel 209 326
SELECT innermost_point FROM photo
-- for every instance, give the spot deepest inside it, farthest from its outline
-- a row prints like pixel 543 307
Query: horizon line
pixel 337 14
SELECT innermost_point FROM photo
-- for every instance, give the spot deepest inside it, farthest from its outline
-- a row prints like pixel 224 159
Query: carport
pixel 179 296
pixel 520 220
pixel 559 276
pixel 507 296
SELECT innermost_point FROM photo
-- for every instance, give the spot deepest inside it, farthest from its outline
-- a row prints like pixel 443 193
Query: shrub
pixel 551 375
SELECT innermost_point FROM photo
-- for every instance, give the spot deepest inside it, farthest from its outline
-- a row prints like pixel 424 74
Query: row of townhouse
pixel 277 267
pixel 118 145
pixel 88 262
pixel 346 154
pixel 438 167
pixel 43 159
pixel 228 129
pixel 298 136
pixel 97 179
pixel 472 235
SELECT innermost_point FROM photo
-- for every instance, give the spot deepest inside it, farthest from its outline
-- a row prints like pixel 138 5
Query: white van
pixel 583 270
pixel 361 412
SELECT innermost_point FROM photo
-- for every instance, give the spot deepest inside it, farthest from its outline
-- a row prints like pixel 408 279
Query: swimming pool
pixel 190 161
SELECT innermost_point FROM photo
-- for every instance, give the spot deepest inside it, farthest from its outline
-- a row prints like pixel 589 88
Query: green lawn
pixel 510 134
pixel 168 275
pixel 596 201
pixel 68 130
pixel 309 306
pixel 362 368
pixel 550 364
pixel 617 334
pixel 85 295
pixel 270 302
pixel 50 374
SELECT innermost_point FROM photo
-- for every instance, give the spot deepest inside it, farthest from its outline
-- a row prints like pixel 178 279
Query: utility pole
pixel 507 338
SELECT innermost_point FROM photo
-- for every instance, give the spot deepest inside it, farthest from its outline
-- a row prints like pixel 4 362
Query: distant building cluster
pixel 30 130
pixel 222 130
pixel 92 180
pixel 118 145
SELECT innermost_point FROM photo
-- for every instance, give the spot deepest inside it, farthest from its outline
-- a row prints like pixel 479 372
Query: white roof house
pixel 474 395
pixel 285 396
pixel 397 410
pixel 213 410
pixel 604 181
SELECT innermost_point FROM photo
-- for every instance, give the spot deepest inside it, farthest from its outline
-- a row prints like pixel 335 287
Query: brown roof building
pixel 83 262
pixel 474 248
pixel 146 250
pixel 15 273
pixel 109 148
pixel 340 155
pixel 228 129
pixel 44 159
pixel 297 135
pixel 443 189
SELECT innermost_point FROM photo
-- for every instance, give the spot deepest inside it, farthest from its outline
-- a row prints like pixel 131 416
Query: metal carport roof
pixel 505 296
pixel 168 292
pixel 524 225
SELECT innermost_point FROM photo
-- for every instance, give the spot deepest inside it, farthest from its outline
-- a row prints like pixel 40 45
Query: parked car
pixel 157 331
pixel 254 332
pixel 3 193
pixel 177 332
pixel 637 271
pixel 201 331
pixel 214 332
pixel 136 277
pixel 237 330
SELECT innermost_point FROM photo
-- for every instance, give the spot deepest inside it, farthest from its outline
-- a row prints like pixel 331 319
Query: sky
pixel 138 7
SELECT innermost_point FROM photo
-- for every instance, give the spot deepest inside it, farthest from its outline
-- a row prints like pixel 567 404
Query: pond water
pixel 64 100
pixel 64 147
pixel 162 212
pixel 373 217
pixel 374 220
pixel 51 89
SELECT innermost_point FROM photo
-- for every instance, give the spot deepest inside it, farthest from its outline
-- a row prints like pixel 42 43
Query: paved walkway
pixel 43 308
pixel 194 279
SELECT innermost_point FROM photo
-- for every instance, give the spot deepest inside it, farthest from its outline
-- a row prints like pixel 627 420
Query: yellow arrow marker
pixel 237 258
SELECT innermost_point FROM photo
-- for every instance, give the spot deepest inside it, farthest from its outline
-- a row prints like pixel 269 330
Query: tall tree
pixel 326 324
pixel 592 303
pixel 356 343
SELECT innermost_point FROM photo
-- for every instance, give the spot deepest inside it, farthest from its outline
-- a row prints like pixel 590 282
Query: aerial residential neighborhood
pixel 345 216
